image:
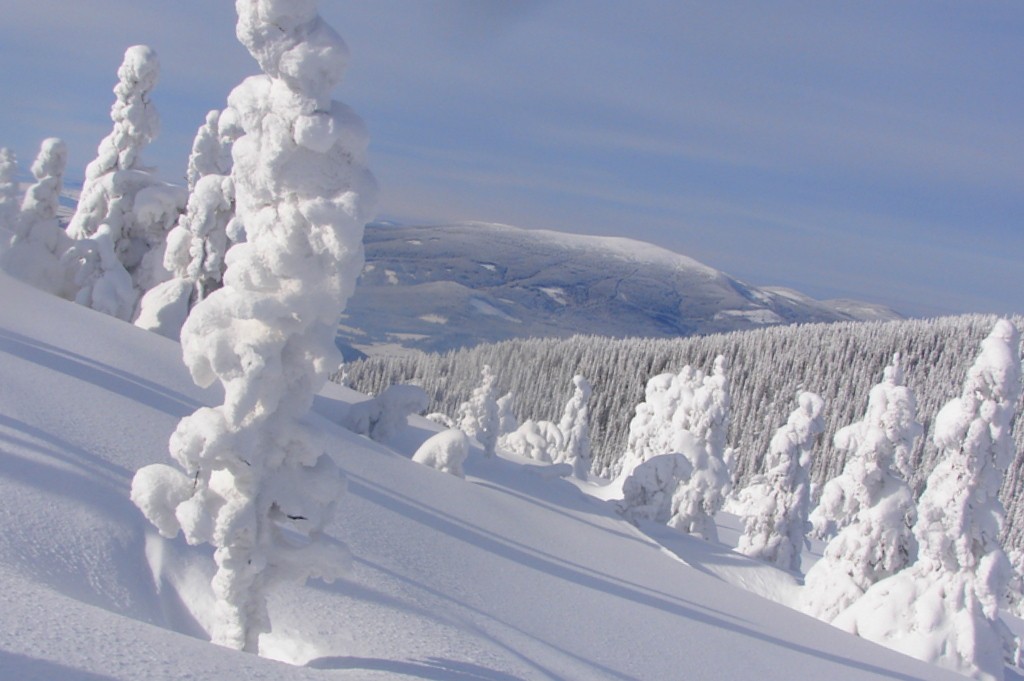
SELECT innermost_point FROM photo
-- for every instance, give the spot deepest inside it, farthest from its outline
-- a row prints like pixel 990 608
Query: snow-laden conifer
pixel 198 243
pixel 890 426
pixel 121 193
pixel 211 147
pixel 575 427
pixel 776 503
pixel 507 421
pixel 261 487
pixel 688 414
pixel 876 538
pixel 39 242
pixel 478 417
pixel 9 205
pixel 945 607
pixel 702 439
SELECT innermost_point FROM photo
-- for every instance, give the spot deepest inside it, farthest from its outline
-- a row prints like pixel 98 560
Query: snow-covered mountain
pixel 509 574
pixel 441 287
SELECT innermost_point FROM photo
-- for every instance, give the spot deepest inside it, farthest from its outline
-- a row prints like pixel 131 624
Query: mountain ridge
pixel 440 287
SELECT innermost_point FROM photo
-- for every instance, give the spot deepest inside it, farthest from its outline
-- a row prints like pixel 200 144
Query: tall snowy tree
pixel 686 414
pixel 258 475
pixel 945 607
pixel 575 427
pixel 776 504
pixel 478 417
pixel 876 539
pixel 122 200
pixel 197 245
pixel 39 242
pixel 8 188
pixel 702 439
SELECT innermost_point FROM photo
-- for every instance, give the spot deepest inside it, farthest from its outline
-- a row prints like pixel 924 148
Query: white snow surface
pixel 504 575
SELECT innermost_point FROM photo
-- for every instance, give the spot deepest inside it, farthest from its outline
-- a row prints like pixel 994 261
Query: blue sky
pixel 870 149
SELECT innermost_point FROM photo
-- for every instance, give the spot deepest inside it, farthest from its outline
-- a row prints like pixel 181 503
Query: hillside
pixel 449 286
pixel 505 575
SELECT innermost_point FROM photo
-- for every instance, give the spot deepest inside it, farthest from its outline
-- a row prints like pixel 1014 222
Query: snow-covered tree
pixel 121 193
pixel 507 421
pixel 876 539
pixel 39 242
pixel 478 417
pixel 891 426
pixel 702 440
pixel 945 607
pixel 258 476
pixel 445 451
pixel 776 503
pixel 686 413
pixel 8 188
pixel 575 427
pixel 136 124
pixel 196 246
pixel 211 148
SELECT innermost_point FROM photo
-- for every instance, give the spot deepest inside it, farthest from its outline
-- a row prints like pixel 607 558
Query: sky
pixel 870 150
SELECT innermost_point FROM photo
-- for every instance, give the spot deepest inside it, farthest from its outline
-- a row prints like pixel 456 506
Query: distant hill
pixel 448 286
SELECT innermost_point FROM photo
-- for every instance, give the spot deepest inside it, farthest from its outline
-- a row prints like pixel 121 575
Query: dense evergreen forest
pixel 768 367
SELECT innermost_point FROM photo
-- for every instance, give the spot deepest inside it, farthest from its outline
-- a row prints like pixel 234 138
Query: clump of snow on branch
pixel 122 200
pixel 198 244
pixel 876 539
pixel 381 417
pixel 264 489
pixel 776 503
pixel 944 607
pixel 34 255
pixel 445 451
pixel 686 414
pixel 478 417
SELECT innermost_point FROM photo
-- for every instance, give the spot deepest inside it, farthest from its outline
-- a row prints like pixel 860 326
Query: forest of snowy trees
pixel 768 367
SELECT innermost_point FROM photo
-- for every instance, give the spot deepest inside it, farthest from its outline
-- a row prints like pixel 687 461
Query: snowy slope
pixel 506 575
pixel 440 287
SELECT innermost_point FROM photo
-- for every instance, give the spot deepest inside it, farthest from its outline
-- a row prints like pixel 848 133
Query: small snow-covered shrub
pixel 537 440
pixel 446 451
